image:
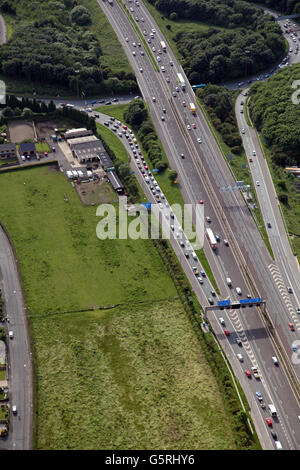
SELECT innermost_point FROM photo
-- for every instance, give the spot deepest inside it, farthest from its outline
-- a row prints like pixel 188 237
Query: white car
pixel 163 68
pixel 254 153
pixel 168 80
pixel 243 131
pixel 153 49
pixel 240 357
pixel 142 20
pixel 141 70
pixel 199 140
pixel 208 219
pixel 11 334
pixel 133 52
pixel 153 31
pixel 257 183
pixel 134 44
pixel 153 99
pixel 158 58
pixel 188 127
pixel 222 321
pixel 126 39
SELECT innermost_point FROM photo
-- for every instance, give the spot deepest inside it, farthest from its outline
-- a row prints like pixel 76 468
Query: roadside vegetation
pixel 283 6
pixel 277 120
pixel 233 38
pixel 110 332
pixel 64 49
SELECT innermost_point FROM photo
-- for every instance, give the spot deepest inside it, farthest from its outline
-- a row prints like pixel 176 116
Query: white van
pixel 194 255
pixel 228 280
pixel 11 334
pixel 238 290
pixel 278 445
pixel 272 410
pixel 275 360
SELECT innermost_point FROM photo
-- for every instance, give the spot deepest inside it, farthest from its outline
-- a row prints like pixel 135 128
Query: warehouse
pixel 81 132
pixel 115 182
pixel 106 162
pixel 87 151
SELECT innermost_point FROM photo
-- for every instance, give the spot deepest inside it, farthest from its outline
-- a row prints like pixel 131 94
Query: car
pixel 182 155
pixel 254 153
pixel 241 111
pixel 163 118
pixel 168 80
pixel 194 126
pixel 142 20
pixel 134 44
pixel 172 215
pixel 164 110
pixel 255 372
pixel 226 242
pixel 196 272
pixel 23 158
pixel 213 293
pixel 259 396
pixel 184 103
pixel 153 99
pixel 208 219
pixel 177 89
pixel 126 39
pixel 274 435
pixel 248 373
pixel 142 52
pixel 172 227
pixel 238 341
pixel 210 300
pixel 291 326
pixel 174 94
pixel 144 33
pixel 141 69
pixel 171 63
pixel 153 49
pixel 275 360
pixel 243 131
pixel 11 334
pixel 290 290
pixel 240 357
pixel 218 238
pixel 222 321
pixel 14 409
pixel 257 183
pixel 250 160
pixel 153 30
pixel 203 273
pixel 199 140
pixel 201 202
pixel 295 348
pixel 133 53
pixel 187 255
pixel 298 311
pixel 226 332
pixel 200 280
pixel 163 69
pixel 269 422
pixel 136 18
pixel 269 224
pixel 188 127
pixel 158 58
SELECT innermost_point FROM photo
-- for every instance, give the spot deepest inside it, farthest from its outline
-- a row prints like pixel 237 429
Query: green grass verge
pixel 206 267
pixel 290 212
pixel 42 147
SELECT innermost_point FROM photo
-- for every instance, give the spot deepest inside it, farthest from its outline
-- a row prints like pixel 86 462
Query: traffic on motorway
pixel 168 102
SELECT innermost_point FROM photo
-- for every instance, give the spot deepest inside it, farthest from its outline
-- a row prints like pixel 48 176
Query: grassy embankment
pixel 118 378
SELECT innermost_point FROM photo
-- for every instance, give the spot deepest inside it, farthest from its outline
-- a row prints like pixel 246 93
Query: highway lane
pixel 120 23
pixel 231 199
pixel 230 347
pixel 19 355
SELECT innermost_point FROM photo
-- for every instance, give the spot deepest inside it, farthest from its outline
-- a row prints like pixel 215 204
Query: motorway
pixel 19 356
pixel 231 219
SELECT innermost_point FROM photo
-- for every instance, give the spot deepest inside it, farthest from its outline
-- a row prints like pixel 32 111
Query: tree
pixel 27 112
pixel 80 15
pixel 7 112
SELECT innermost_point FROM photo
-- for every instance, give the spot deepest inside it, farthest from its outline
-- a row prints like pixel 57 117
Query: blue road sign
pixel 251 301
pixel 222 303
pixel 147 204
pixel 155 170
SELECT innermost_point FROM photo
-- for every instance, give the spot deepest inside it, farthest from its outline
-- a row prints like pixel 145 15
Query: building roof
pixel 27 147
pixel 115 181
pixel 7 146
pixel 81 140
pixel 106 161
pixel 90 149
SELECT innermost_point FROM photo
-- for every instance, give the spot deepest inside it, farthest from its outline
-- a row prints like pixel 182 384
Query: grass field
pixel 131 376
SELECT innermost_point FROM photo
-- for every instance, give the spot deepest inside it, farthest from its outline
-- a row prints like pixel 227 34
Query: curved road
pixel 18 348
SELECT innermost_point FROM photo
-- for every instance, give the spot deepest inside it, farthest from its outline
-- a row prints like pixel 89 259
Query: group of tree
pixel 26 107
pixel 220 104
pixel 137 116
pixel 251 42
pixel 283 6
pixel 52 43
pixel 275 112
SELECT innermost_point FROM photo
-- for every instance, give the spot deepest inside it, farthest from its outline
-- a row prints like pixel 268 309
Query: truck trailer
pixel 192 108
pixel 181 81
